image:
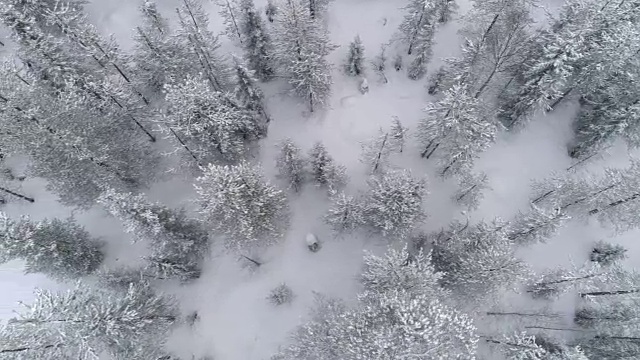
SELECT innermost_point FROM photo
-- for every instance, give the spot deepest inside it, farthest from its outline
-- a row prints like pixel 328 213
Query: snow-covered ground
pixel 236 321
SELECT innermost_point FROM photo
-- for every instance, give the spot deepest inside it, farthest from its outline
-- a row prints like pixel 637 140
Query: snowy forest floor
pixel 236 320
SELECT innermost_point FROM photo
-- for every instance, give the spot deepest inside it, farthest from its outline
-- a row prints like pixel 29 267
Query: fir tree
pixel 419 18
pixel 230 12
pixel 324 170
pixel 376 151
pixel 456 128
pixel 355 59
pixel 606 254
pixel 237 202
pixel 470 189
pixel 398 134
pixel 422 48
pixel 379 329
pixel 555 282
pixel 379 64
pixel 394 203
pixel 537 225
pixel 212 123
pixel 301 47
pixel 400 271
pixel 62 250
pixel 85 322
pixel 271 10
pixel 291 165
pixel 257 44
pixel 346 213
pixel 249 94
pixel 477 260
pixel 178 244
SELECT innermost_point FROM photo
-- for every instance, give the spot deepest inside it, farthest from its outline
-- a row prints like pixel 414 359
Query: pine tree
pixel 178 244
pixel 323 169
pixel 392 325
pixel 398 134
pixel 62 250
pixel 477 260
pixel 393 205
pixel 202 45
pixel 355 59
pixel 379 64
pixel 399 270
pixel 257 44
pixel 470 189
pixel 301 47
pixel 422 48
pixel 606 254
pixel 537 225
pixel 457 129
pixel 239 203
pixel 230 12
pixel 249 95
pixel 85 322
pixel 376 151
pixel 345 214
pixel 291 165
pixel 271 10
pixel 555 282
pixel 213 124
pixel 445 10
pixel 419 18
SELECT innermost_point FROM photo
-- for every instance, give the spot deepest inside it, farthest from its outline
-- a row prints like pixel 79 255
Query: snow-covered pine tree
pixel 230 11
pixel 270 10
pixel 323 169
pixel 376 151
pixel 379 64
pixel 69 145
pixel 536 225
pixel 422 48
pixel 291 165
pixel 301 48
pixel 257 42
pixel 62 250
pixel 456 127
pixel 445 10
pixel 398 134
pixel 212 123
pixel 557 281
pixel 471 187
pixel 239 203
pixel 249 94
pixel 393 205
pixel 315 8
pixel 477 260
pixel 606 254
pixel 399 270
pixel 193 34
pixel 434 83
pixel 568 192
pixel 355 58
pixel 420 16
pixel 86 322
pixel 346 213
pixel 378 330
pixel 178 243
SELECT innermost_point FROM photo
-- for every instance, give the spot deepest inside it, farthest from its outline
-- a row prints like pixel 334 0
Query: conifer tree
pixel 323 169
pixel 346 213
pixel 249 94
pixel 477 260
pixel 557 281
pixel 379 64
pixel 271 10
pixel 376 151
pixel 457 129
pixel 606 254
pixel 398 134
pixel 87 322
pixel 470 189
pixel 62 250
pixel 291 165
pixel 399 270
pixel 419 18
pixel 230 12
pixel 178 244
pixel 301 47
pixel 355 59
pixel 193 34
pixel 393 205
pixel 379 329
pixel 213 124
pixel 422 49
pixel 239 203
pixel 537 225
pixel 257 43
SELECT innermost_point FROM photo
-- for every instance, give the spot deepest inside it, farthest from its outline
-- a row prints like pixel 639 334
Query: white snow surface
pixel 236 320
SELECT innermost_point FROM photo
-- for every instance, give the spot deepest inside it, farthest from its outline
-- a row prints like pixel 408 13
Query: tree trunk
pixel 559 100
pixel 412 40
pixel 491 313
pixel 23 197
pixel 581 161
pixel 616 203
pixel 609 293
pixel 571 279
pixel 233 19
pixel 312 8
pixel 26 348
pixel 379 156
pixel 185 146
pixel 257 263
